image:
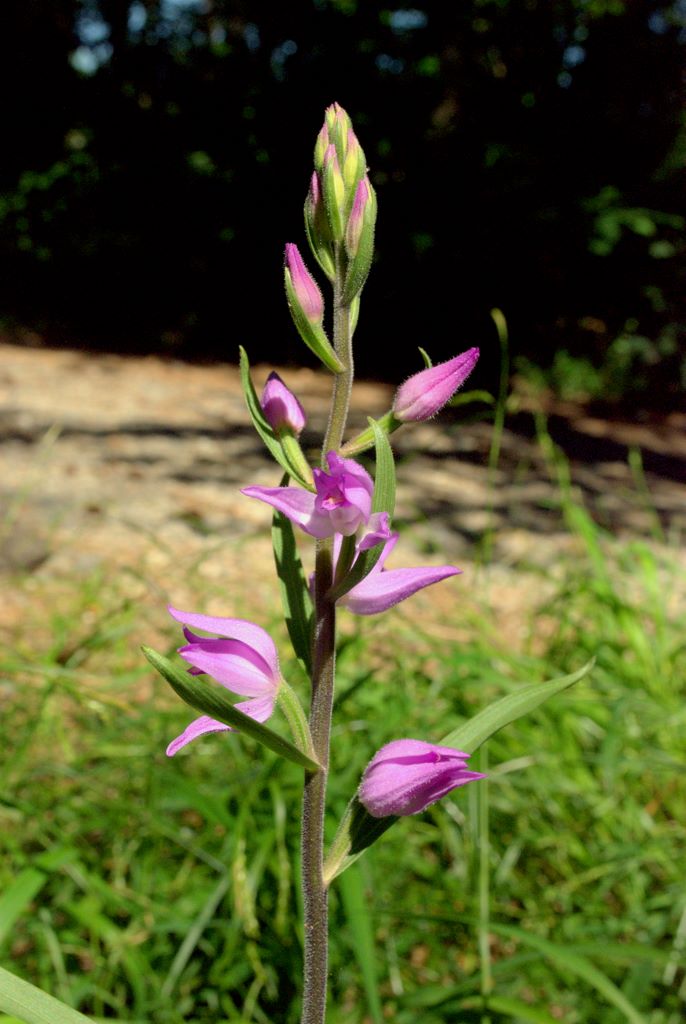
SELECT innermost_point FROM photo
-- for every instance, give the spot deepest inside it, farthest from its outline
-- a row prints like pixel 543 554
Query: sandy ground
pixel 130 468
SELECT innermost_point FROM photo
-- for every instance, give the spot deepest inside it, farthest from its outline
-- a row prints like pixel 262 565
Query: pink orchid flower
pixel 243 659
pixel 342 502
pixel 407 776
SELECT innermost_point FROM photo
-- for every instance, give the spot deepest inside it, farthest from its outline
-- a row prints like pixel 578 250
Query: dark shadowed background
pixel 527 155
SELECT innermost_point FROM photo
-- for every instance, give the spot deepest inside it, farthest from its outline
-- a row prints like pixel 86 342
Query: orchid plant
pixel 349 514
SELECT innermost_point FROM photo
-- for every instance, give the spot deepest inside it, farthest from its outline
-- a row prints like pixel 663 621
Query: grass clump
pixel 142 889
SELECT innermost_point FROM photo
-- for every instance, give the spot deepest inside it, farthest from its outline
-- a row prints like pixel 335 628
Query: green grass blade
pixel 15 900
pixel 357 912
pixel 20 999
pixel 508 1007
pixel 295 595
pixel 578 965
pixel 193 935
pixel 261 425
pixel 470 735
pixel 212 701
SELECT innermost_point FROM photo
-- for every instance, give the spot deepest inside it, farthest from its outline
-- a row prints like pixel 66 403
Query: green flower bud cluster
pixel 340 209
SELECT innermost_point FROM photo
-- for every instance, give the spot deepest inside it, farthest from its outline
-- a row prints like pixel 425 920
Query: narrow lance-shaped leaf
pixel 32 1005
pixel 383 500
pixel 359 829
pixel 263 428
pixel 295 595
pixel 212 701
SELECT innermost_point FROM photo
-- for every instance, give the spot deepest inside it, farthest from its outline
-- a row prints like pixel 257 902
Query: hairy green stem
pixel 315 894
pixel 343 382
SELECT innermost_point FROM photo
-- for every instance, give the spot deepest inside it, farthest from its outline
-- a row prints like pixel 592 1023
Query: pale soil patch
pixel 127 471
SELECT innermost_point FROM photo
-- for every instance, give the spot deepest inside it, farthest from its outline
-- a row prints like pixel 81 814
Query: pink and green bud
pixel 338 125
pixel 333 188
pixel 420 397
pixel 317 228
pixel 354 164
pixel 407 776
pixel 281 408
pixel 306 305
pixel 321 145
pixel 362 205
pixel 359 239
pixel 303 286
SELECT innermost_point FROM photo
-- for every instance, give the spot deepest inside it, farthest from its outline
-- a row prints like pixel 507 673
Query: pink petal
pixel 382 590
pixel 280 406
pixel 297 505
pixel 238 629
pixel 221 646
pixel 378 530
pixel 407 776
pixel 260 708
pixel 232 664
pixel 198 727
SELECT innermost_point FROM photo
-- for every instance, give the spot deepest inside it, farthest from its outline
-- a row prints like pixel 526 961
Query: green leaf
pixel 577 965
pixel 357 912
pixel 383 500
pixel 212 701
pixel 426 357
pixel 16 899
pixel 470 735
pixel 30 1004
pixel 295 595
pixel 263 428
pixel 358 829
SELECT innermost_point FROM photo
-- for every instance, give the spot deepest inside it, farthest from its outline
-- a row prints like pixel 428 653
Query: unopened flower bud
pixel 361 203
pixel 281 408
pixel 354 164
pixel 338 125
pixel 304 287
pixel 307 308
pixel 322 144
pixel 317 228
pixel 420 397
pixel 407 776
pixel 333 188
pixel 359 239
